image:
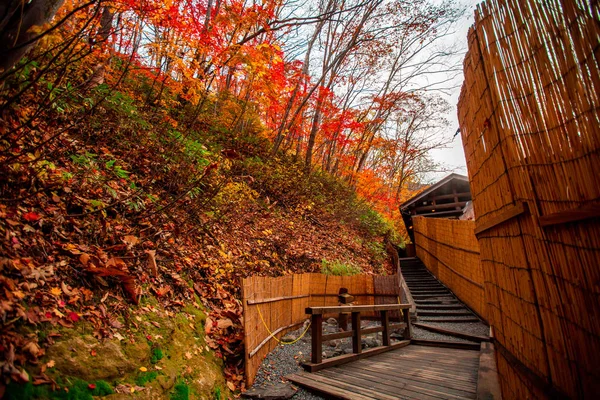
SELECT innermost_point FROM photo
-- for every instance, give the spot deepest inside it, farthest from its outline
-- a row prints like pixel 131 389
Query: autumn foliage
pixel 169 148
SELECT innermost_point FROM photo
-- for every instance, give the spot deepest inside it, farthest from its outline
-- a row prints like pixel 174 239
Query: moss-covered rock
pixel 87 358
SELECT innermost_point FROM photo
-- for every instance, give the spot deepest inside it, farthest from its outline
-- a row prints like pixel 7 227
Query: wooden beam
pixel 350 309
pixel 572 215
pixel 316 339
pixel 356 334
pixel 261 344
pixel 446 344
pixel 511 212
pixel 273 299
pixel 346 358
pixel 451 196
pixel 385 325
pixel 444 206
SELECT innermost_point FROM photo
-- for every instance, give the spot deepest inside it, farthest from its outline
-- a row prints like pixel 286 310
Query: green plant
pixel 217 393
pixel 146 377
pixel 181 391
pixel 339 268
pixel 80 390
pixel 156 355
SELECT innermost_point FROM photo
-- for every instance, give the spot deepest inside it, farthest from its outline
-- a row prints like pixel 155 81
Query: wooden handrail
pixel 352 309
pixel 356 333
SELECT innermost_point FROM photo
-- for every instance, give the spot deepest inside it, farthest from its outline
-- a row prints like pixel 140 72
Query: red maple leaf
pixel 73 316
pixel 31 216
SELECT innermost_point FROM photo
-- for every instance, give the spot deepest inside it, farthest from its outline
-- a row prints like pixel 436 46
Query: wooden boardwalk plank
pixel 412 372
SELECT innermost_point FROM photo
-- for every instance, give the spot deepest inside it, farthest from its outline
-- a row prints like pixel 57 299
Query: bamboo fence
pixel 530 125
pixel 449 249
pixel 275 306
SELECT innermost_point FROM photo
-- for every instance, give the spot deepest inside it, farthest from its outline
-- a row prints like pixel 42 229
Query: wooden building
pixel 446 198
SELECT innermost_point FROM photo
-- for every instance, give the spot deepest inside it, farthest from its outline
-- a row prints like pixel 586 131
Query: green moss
pixel 80 390
pixel 181 391
pixel 146 377
pixel 217 393
pixel 156 355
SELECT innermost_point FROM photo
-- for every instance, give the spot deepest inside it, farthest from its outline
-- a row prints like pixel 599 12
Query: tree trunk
pixel 17 17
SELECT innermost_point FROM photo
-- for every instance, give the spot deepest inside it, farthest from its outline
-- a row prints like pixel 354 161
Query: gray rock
pixel 288 338
pixel 332 321
pixel 276 391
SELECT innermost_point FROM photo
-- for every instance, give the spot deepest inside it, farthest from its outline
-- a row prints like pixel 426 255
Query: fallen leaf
pixel 31 216
pixel 131 240
pixel 93 353
pixel 143 369
pixel 73 316
pixel 152 262
pixel 56 291
pixel 231 386
pixel 50 364
pixel 224 323
pixel 92 386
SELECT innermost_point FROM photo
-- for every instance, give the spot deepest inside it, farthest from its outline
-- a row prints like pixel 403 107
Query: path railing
pixel 356 333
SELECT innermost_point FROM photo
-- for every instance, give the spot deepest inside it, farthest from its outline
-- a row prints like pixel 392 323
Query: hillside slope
pixel 123 236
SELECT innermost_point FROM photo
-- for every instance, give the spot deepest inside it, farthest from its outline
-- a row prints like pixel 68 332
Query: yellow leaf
pixel 231 386
pixel 56 291
pixel 143 369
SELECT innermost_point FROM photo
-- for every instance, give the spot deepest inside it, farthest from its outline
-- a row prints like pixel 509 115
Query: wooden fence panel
pixel 279 304
pixel 449 249
pixel 529 113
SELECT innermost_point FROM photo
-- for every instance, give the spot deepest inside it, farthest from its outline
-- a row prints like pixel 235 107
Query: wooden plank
pixel 445 343
pixel 511 212
pixel 266 340
pixel 431 385
pixel 346 358
pixel 274 299
pixel 408 366
pixel 572 215
pixel 385 324
pixel 444 206
pixel 349 309
pixel 395 369
pixel 363 380
pixel 341 384
pixel 356 334
pixel 316 339
pixel 306 380
pixel 488 386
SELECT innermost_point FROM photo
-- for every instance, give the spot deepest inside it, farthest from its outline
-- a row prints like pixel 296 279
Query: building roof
pixel 433 188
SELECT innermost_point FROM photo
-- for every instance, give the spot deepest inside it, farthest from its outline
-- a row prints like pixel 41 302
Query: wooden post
pixel 385 323
pixel 408 330
pixel 356 334
pixel 317 338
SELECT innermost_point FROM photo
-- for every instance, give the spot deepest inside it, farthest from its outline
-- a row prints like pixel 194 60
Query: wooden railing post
pixel 317 338
pixel 356 335
pixel 385 323
pixel 408 330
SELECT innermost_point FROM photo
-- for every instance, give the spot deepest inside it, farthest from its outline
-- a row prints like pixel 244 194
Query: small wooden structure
pixel 446 198
pixel 356 333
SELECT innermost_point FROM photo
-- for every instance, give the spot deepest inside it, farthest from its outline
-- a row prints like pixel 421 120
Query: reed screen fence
pixel 530 125
pixel 276 306
pixel 449 249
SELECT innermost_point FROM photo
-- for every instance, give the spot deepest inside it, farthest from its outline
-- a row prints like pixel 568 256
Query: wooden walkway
pixel 412 372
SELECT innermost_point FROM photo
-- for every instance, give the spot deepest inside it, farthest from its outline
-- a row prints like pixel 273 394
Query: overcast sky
pixel 454 156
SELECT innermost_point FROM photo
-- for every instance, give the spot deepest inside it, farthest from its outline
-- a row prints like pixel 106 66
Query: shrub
pixel 339 268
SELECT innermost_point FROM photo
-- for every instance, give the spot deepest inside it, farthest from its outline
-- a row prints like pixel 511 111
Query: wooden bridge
pixel 405 369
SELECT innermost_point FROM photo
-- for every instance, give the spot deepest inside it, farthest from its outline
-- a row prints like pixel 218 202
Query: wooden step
pixel 427 313
pixel 448 301
pixel 450 320
pixel 440 307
